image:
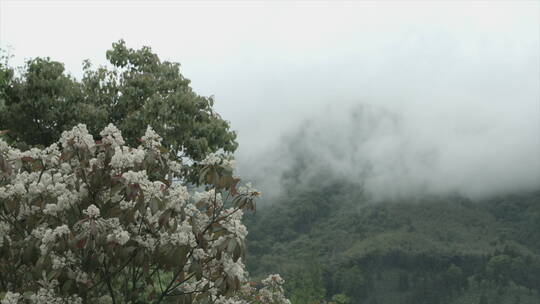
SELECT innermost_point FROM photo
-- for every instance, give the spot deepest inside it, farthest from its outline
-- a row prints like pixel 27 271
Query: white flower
pixel 199 254
pixel 234 269
pixel 151 139
pixel 92 211
pixel 79 136
pixel 11 298
pixel 154 189
pixel 58 262
pixel 248 189
pixel 4 146
pixel 133 177
pixel 146 241
pixel 19 189
pixel 178 197
pixel 273 279
pixel 122 237
pixel 65 167
pixel 50 236
pixel 227 300
pixel 183 235
pixel 175 166
pixel 234 224
pixel 51 155
pixel 61 230
pixel 208 196
pixel 112 136
pixel 51 209
pixel 125 157
pixel 47 295
pixel 229 164
pixel 119 236
pixel 211 159
pixel 94 162
pixel 82 277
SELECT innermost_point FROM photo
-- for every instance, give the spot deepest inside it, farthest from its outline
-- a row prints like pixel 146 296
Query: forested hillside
pixel 330 240
pixel 364 209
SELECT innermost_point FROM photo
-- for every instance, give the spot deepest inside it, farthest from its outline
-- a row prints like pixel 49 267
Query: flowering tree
pixel 86 221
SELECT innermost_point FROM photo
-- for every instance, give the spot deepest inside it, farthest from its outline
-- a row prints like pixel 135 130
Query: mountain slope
pixel 330 239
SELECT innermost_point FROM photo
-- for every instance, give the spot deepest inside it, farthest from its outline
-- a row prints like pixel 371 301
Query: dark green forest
pixel 332 243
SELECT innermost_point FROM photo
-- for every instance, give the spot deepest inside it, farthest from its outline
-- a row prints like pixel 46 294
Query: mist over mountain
pixel 393 153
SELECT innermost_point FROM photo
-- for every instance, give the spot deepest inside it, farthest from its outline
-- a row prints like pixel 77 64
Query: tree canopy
pixel 134 90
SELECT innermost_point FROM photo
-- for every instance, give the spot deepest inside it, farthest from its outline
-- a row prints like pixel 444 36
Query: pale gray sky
pixel 463 75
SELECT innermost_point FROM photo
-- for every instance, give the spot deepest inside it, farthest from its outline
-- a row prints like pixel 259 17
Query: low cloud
pixel 394 154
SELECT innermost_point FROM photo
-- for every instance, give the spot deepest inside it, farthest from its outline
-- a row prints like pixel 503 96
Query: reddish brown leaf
pixel 80 244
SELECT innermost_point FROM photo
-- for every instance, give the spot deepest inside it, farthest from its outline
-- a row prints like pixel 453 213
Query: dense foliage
pixel 134 90
pixel 331 240
pixel 85 222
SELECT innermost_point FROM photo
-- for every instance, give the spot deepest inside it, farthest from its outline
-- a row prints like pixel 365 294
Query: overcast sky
pixel 464 76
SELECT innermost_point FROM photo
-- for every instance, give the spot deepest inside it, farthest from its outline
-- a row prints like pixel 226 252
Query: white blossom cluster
pixel 92 211
pixel 248 189
pixel 78 137
pixel 211 159
pixel 50 236
pixel 126 158
pixel 229 164
pixel 47 295
pixel 272 292
pixel 119 236
pixel 112 136
pixel 151 140
pixel 11 298
pixel 84 215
